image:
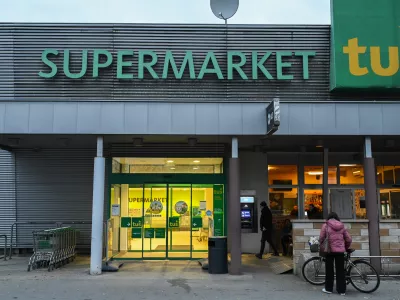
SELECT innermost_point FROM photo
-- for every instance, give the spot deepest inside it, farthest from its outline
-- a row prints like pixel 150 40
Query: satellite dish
pixel 224 9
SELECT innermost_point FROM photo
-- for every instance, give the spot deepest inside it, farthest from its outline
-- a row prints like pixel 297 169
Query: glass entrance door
pixel 180 220
pixel 165 221
pixel 155 216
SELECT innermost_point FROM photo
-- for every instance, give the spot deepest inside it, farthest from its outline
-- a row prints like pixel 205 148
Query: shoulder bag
pixel 325 249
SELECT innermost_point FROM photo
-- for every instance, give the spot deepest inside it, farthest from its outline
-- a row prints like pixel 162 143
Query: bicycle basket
pixel 314 248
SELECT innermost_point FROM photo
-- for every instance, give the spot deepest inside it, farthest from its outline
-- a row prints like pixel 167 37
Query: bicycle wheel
pixel 364 277
pixel 314 270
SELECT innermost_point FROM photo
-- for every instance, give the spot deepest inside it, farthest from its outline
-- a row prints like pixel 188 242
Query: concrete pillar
pixel 371 203
pixel 325 195
pixel 96 252
pixel 234 221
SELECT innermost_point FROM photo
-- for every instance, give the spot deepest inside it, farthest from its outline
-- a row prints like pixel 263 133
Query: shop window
pixel 351 174
pixel 388 174
pixel 282 175
pixel 314 175
pixel 390 203
pixel 313 204
pixel 283 202
pixel 168 165
pixel 359 197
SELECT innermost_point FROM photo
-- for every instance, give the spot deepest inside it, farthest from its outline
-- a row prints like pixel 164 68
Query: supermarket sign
pixel 130 64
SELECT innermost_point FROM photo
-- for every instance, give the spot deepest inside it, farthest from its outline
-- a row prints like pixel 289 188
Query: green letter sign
pixel 49 63
pixel 96 61
pixel 169 60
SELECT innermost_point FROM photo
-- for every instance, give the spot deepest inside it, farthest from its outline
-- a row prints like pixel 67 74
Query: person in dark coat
pixel 313 212
pixel 266 229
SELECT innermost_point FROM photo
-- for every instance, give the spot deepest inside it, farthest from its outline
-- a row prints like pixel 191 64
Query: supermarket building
pixel 162 130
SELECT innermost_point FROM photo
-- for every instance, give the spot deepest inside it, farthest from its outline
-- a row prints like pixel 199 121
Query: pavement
pixel 165 280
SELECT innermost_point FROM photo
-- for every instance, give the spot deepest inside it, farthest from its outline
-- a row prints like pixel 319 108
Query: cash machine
pixel 248 214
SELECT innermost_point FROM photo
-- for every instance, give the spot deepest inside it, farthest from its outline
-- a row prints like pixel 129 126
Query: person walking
pixel 339 241
pixel 286 237
pixel 266 229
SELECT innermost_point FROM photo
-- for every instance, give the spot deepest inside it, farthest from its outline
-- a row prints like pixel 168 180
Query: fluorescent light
pixel 355 172
pixel 196 161
pixel 347 165
pixel 170 161
pixel 195 168
pixel 172 168
pixel 315 173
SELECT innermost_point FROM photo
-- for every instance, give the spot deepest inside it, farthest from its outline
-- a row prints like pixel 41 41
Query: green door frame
pixel 158 178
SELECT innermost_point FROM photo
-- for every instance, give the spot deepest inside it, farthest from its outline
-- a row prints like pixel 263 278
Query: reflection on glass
pixel 167 165
pixel 283 202
pixel 314 175
pixel 282 175
pixel 313 204
pixel 390 203
pixel 351 174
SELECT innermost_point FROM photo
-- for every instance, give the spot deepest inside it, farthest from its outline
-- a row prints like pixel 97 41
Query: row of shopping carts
pixel 53 248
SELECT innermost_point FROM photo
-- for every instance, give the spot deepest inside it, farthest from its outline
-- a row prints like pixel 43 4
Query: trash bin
pixel 217 255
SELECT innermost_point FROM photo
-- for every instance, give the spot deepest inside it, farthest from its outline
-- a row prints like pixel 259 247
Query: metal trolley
pixel 53 248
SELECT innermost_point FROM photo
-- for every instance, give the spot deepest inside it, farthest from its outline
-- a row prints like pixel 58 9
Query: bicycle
pixel 370 279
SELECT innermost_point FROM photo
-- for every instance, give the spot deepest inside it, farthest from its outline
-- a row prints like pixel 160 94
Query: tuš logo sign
pixel 365 44
pixel 147 60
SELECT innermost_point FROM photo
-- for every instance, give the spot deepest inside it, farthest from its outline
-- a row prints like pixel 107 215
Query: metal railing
pixel 5 245
pixel 59 224
pixel 387 265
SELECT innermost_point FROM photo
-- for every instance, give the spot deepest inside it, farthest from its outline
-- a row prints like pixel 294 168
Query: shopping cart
pixel 53 248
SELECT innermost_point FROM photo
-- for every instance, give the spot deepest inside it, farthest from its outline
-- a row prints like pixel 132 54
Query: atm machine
pixel 248 214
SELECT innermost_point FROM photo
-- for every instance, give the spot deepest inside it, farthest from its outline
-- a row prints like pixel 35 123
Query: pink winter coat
pixel 339 237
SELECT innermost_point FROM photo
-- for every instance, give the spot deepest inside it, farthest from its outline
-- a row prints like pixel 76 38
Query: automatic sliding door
pixel 180 221
pixel 155 221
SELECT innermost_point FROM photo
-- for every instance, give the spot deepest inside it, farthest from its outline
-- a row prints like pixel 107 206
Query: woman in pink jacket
pixel 339 241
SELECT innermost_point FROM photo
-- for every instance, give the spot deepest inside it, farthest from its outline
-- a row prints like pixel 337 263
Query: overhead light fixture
pixel 389 143
pixel 347 165
pixel 64 142
pixel 195 168
pixel 315 173
pixel 170 161
pixel 13 142
pixel 138 142
pixel 356 172
pixel 320 144
pixel 192 142
pixel 196 161
pixel 172 168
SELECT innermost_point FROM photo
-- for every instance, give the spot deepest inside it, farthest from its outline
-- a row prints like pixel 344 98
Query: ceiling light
pixel 320 144
pixel 172 168
pixel 355 172
pixel 347 165
pixel 170 161
pixel 315 173
pixel 196 161
pixel 195 168
pixel 192 142
pixel 138 142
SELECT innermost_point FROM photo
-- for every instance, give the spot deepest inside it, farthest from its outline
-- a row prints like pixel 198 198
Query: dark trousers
pixel 338 259
pixel 267 237
pixel 285 241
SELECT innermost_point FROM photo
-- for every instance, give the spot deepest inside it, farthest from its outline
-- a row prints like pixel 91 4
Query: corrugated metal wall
pixel 54 185
pixel 22 45
pixel 7 193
